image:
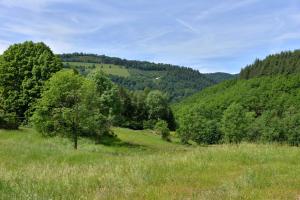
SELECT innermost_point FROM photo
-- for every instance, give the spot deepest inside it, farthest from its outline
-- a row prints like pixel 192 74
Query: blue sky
pixel 208 35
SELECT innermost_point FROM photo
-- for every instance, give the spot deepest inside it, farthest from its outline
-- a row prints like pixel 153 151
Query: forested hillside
pixel 264 109
pixel 283 63
pixel 220 76
pixel 178 82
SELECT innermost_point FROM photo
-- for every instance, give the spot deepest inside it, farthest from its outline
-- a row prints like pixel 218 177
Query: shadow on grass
pixel 116 142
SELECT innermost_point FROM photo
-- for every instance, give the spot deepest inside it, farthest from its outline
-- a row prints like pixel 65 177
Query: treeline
pixel 178 82
pixel 220 76
pixel 143 109
pixel 103 59
pixel 34 90
pixel 287 62
pixel 262 109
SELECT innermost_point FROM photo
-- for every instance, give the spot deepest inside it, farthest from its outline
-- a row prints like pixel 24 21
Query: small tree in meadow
pixel 161 128
pixel 69 107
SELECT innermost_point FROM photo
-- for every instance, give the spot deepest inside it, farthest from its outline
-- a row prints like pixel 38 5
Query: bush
pixel 161 128
pixel 206 132
pixel 292 127
pixel 234 123
pixel 272 127
pixel 199 129
pixel 8 120
pixel 149 124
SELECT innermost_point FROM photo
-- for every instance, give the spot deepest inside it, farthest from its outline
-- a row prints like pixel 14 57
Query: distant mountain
pixel 178 82
pixel 287 62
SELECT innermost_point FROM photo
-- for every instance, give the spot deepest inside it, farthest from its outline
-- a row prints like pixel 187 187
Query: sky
pixel 207 35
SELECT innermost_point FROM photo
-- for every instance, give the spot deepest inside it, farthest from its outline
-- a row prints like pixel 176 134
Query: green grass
pixel 107 68
pixel 141 166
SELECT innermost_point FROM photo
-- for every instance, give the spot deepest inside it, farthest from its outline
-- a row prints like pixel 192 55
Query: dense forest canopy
pixel 287 62
pixel 261 109
pixel 24 68
pixel 178 82
pixel 220 76
pixel 262 105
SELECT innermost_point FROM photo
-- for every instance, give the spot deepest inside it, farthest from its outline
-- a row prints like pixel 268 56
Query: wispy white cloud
pixel 32 5
pixel 186 25
pixel 208 35
pixel 223 7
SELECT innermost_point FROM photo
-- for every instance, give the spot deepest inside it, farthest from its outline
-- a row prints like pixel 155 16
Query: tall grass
pixel 142 166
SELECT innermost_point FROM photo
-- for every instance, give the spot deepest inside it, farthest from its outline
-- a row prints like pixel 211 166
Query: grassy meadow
pixel 107 68
pixel 139 165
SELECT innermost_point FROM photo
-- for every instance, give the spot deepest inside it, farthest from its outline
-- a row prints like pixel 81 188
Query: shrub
pixel 272 127
pixel 149 124
pixel 8 120
pixel 234 123
pixel 161 128
pixel 199 129
pixel 292 127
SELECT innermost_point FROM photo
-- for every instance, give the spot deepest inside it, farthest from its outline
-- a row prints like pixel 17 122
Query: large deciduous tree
pixel 70 107
pixel 23 70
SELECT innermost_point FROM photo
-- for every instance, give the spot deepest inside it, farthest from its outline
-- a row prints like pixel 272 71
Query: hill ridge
pixel 177 81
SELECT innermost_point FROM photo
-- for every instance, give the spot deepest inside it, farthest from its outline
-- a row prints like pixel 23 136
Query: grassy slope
pixel 142 166
pixel 107 68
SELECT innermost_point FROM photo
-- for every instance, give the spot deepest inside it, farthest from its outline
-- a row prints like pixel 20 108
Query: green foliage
pixel 271 127
pixel 178 82
pixel 157 105
pixel 108 93
pixel 234 123
pixel 142 109
pixel 158 108
pixel 133 110
pixel 8 120
pixel 218 77
pixel 291 124
pixel 161 128
pixel 259 113
pixel 282 63
pixel 23 70
pixel 70 107
pixel 197 127
pixel 149 124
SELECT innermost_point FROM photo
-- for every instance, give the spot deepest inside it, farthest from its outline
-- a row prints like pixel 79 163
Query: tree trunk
pixel 75 135
pixel 75 140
